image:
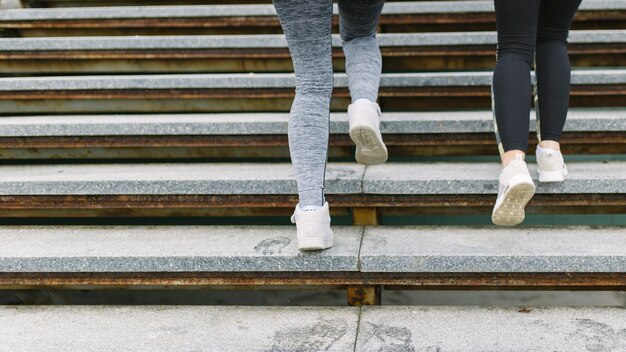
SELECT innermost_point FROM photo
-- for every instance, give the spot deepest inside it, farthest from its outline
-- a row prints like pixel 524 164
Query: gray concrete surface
pixel 391 8
pixel 170 249
pixel 273 80
pixel 468 329
pixel 491 249
pixel 264 178
pixel 205 178
pixel 383 249
pixel 272 41
pixel 482 178
pixel 401 328
pixel 177 328
pixel 581 120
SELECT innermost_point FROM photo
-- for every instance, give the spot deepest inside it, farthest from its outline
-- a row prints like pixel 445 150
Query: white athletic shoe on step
pixel 313 228
pixel 550 165
pixel 516 189
pixel 364 121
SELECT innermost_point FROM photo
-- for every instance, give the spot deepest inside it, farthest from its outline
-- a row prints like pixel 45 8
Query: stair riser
pixel 273 60
pixel 406 23
pixel 271 100
pixel 282 205
pixel 54 149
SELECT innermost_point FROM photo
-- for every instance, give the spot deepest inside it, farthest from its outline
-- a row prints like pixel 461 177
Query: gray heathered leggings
pixel 307 27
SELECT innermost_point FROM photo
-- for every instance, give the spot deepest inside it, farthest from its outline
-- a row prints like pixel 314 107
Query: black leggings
pixel 527 30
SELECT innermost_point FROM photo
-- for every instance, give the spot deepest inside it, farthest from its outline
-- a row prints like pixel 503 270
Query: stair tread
pixel 275 80
pixel 580 120
pixel 205 178
pixel 604 177
pixel 481 178
pixel 177 328
pixel 491 328
pixel 273 41
pixel 467 249
pixel 171 249
pixel 167 328
pixel 187 11
pixel 421 249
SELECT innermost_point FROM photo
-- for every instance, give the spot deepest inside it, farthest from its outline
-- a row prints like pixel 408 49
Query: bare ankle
pixel 550 144
pixel 511 155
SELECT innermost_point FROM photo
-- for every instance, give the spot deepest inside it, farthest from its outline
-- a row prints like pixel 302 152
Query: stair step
pixel 401 328
pixel 170 249
pixel 270 41
pixel 251 124
pixel 410 16
pixel 166 136
pixel 478 178
pixel 273 178
pixel 490 329
pixel 269 53
pixel 495 250
pixel 178 328
pixel 270 92
pixel 153 179
pixel 254 256
pixel 220 189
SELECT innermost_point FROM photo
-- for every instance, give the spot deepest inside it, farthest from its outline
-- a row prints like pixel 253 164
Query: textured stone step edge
pixel 481 178
pixel 463 249
pixel 438 178
pixel 424 249
pixel 275 80
pixel 335 329
pixel 190 11
pixel 274 41
pixel 171 249
pixel 491 329
pixel 161 179
pixel 579 120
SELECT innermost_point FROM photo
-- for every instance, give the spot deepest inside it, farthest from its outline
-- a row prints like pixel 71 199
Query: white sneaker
pixel 516 189
pixel 364 120
pixel 550 165
pixel 313 228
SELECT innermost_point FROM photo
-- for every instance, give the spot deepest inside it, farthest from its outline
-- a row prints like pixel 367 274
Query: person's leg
pixel 553 69
pixel 357 24
pixel 516 22
pixel 307 27
pixel 553 85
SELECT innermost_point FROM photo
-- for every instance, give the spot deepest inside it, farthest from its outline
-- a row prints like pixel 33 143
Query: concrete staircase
pixel 173 113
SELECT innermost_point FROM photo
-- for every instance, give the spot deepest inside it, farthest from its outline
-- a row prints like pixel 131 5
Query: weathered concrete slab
pixel 482 178
pixel 579 120
pixel 490 249
pixel 171 249
pixel 264 178
pixel 210 178
pixel 272 41
pixel 186 11
pixel 401 328
pixel 177 328
pixel 273 80
pixel 155 124
pixel 476 329
pixel 137 12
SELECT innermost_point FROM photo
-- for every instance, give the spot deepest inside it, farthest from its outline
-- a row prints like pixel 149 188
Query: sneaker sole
pixel 511 211
pixel 314 244
pixel 370 149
